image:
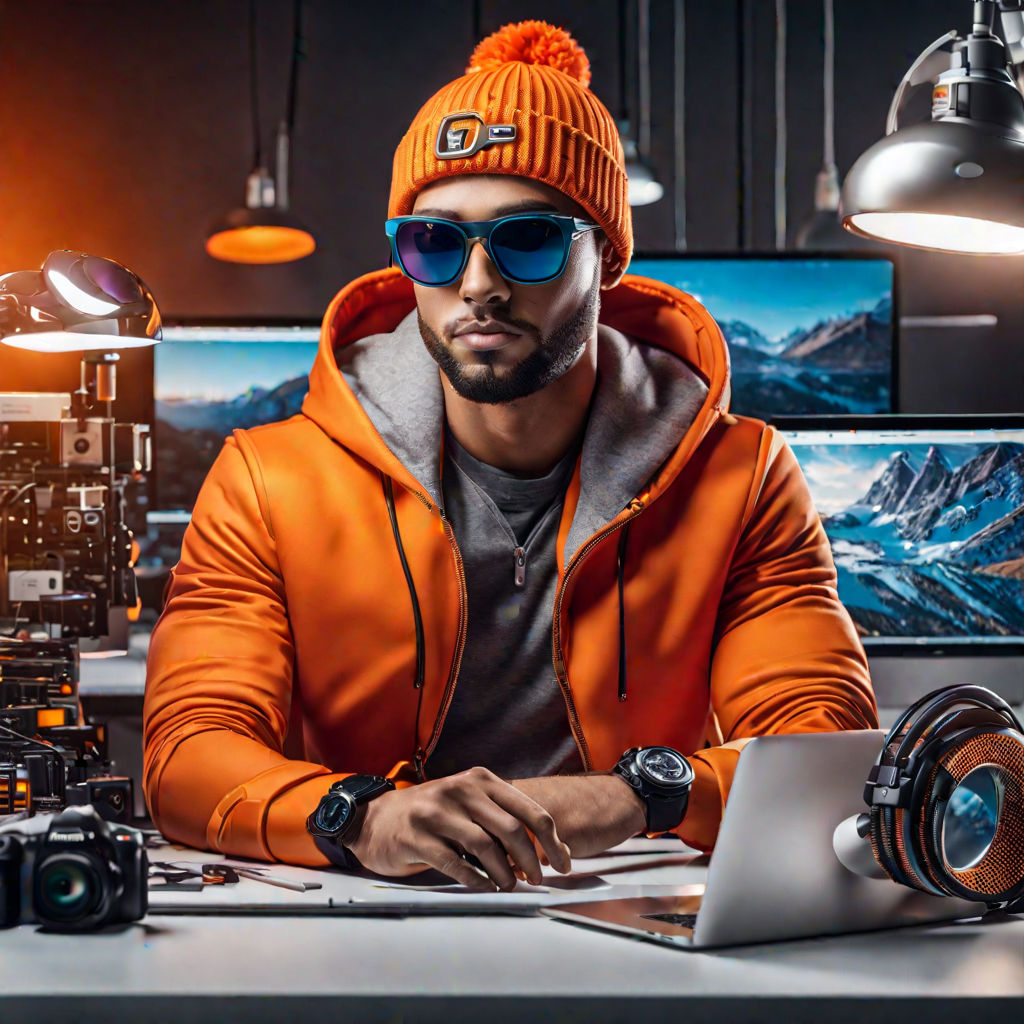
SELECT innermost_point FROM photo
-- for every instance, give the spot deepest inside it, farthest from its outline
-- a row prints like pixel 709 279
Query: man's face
pixel 494 340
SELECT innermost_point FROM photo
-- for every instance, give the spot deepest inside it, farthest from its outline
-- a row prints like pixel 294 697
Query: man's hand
pixel 592 812
pixel 434 824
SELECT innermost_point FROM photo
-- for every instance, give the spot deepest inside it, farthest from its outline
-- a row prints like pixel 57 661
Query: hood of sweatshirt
pixel 663 379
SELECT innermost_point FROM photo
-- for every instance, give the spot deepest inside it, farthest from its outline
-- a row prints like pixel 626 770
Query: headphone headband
pixel 933 704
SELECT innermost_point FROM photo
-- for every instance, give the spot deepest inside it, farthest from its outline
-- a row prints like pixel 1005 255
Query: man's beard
pixel 551 358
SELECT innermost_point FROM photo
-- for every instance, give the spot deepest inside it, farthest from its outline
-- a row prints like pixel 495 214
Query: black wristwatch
pixel 333 823
pixel 662 777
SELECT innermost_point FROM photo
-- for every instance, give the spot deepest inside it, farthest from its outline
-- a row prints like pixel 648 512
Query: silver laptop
pixel 773 873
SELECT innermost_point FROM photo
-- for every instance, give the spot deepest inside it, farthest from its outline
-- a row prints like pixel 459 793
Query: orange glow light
pixel 260 244
pixel 51 716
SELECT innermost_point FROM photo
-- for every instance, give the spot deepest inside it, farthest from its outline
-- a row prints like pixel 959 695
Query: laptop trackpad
pixel 671 918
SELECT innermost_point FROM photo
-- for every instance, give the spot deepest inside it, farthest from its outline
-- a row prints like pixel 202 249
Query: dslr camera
pixel 72 872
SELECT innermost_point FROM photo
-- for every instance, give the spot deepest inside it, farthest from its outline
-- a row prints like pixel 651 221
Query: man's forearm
pixel 591 812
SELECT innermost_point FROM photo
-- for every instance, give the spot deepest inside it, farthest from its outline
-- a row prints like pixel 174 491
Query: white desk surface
pixel 190 968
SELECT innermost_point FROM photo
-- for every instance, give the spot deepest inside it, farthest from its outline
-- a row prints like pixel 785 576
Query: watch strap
pixel 338 855
pixel 665 813
pixel 363 788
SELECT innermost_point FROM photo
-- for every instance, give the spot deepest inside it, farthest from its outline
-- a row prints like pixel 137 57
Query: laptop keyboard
pixel 682 920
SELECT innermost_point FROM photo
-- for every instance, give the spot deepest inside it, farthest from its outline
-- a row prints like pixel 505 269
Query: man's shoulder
pixel 297 438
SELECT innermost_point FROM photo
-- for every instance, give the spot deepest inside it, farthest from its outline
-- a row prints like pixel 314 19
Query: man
pixel 513 533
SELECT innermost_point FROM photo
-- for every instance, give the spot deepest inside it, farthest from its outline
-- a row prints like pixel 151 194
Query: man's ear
pixel 611 269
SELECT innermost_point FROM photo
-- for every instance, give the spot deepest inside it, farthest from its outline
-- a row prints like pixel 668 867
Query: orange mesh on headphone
pixel 1002 866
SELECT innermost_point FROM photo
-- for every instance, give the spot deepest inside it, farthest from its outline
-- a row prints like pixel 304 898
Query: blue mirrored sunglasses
pixel 526 248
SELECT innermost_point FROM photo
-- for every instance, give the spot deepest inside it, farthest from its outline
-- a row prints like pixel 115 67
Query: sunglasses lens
pixel 430 253
pixel 528 249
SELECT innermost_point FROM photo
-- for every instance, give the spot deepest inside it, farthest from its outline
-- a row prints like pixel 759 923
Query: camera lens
pixel 68 889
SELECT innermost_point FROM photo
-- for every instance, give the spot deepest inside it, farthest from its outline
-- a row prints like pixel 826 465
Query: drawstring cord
pixel 389 497
pixel 621 571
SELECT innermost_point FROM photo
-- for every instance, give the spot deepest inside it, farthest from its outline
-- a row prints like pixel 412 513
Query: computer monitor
pixel 209 379
pixel 807 334
pixel 925 516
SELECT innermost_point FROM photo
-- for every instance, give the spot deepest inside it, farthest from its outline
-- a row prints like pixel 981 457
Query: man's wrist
pixel 637 809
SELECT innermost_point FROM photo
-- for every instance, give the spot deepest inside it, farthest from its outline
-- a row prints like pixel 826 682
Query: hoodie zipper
pixel 421 754
pixel 636 506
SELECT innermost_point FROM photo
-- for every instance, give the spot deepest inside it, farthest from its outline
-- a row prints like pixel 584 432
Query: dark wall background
pixel 125 131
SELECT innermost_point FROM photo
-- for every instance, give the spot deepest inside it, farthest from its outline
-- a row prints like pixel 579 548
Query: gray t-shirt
pixel 507 713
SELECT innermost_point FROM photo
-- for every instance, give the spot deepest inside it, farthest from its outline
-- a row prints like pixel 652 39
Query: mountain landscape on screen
pixel 932 543
pixel 838 366
pixel 807 335
pixel 191 423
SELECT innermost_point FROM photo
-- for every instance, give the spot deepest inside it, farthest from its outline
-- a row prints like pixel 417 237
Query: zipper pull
pixel 520 558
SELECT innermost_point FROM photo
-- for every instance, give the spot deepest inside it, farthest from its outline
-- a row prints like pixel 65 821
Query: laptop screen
pixel 807 335
pixel 926 526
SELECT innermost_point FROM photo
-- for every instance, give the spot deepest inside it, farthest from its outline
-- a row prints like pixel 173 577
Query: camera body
pixel 72 872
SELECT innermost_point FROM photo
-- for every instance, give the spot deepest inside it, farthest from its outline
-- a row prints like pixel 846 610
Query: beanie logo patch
pixel 463 134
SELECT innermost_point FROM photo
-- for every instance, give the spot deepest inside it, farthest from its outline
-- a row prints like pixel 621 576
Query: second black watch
pixel 336 815
pixel 662 778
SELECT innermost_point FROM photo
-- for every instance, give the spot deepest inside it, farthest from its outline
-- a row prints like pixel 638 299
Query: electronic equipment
pixel 71 872
pixel 774 873
pixel 69 509
pixel 72 498
pixel 807 334
pixel 945 801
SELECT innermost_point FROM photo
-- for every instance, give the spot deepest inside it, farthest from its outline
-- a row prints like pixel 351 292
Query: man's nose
pixel 481 283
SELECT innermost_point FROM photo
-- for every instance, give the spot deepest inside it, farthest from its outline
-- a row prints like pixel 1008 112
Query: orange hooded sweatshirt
pixel 287 655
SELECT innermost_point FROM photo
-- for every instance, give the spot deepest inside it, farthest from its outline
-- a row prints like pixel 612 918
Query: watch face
pixel 664 766
pixel 334 812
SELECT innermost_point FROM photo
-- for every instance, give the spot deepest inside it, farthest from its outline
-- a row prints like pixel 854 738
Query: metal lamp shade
pixel 940 185
pixel 77 302
pixel 260 235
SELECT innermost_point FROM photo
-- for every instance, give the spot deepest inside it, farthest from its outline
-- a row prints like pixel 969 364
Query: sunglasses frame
pixel 480 231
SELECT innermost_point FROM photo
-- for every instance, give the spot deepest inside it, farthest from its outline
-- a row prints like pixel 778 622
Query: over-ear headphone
pixel 946 798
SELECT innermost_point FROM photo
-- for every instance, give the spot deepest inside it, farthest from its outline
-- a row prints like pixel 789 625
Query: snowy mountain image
pixel 806 337
pixel 206 390
pixel 928 538
pixel 838 366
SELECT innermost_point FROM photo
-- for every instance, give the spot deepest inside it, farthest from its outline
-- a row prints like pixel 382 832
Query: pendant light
pixel 643 187
pixel 265 230
pixel 822 230
pixel 953 183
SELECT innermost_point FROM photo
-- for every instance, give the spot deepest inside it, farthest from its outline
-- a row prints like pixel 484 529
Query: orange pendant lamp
pixel 265 230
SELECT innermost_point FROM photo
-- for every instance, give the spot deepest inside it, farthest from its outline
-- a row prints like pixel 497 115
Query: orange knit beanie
pixel 522 108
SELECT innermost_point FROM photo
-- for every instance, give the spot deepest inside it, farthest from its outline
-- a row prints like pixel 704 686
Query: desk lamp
pixel 954 183
pixel 78 302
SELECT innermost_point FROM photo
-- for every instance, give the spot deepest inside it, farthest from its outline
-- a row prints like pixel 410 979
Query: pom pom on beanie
pixel 532 42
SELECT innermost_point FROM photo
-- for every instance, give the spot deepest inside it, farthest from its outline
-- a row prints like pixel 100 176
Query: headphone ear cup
pixel 986 805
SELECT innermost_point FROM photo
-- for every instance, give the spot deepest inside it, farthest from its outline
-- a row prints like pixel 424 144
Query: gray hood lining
pixel 645 401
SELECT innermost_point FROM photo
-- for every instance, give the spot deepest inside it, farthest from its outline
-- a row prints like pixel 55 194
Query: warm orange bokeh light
pixel 260 244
